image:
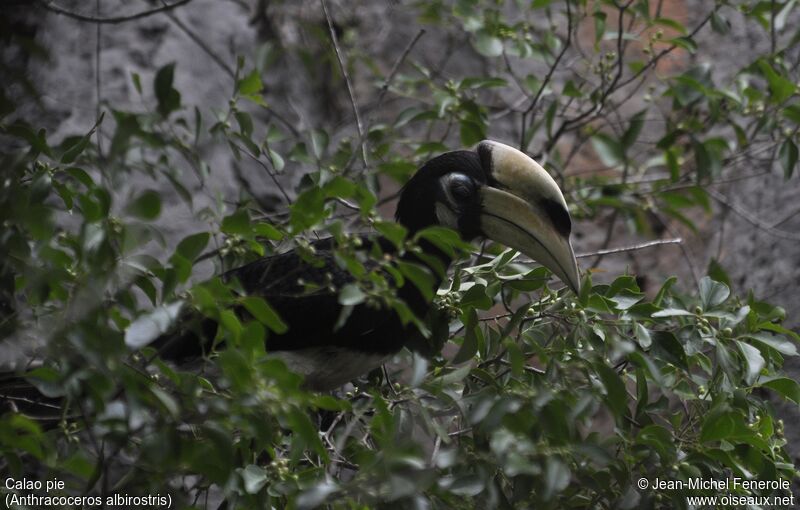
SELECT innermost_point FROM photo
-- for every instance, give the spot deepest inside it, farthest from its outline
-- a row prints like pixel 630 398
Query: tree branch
pixel 635 247
pixel 346 75
pixel 751 218
pixel 52 7
pixel 546 81
pixel 396 67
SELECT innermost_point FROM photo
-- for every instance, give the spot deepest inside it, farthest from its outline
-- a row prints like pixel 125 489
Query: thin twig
pixel 546 81
pixel 267 169
pixel 245 183
pixel 635 247
pixel 553 67
pixel 396 67
pixel 225 67
pixel 202 45
pixel 772 37
pixel 607 239
pixel 343 67
pixel 615 214
pixel 751 218
pixel 791 215
pixel 618 83
pixel 50 6
pixel 99 98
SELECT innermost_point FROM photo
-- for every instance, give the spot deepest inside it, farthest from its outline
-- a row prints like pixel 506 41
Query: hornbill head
pixel 497 192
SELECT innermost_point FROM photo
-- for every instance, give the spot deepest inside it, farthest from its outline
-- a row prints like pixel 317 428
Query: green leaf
pixel 419 275
pixel 787 155
pixel 230 322
pixel 252 340
pixel 777 328
pixel 671 312
pixel 718 273
pixel 634 128
pixel 351 295
pixel 571 90
pixel 712 294
pixel 264 314
pixel 617 396
pixel 317 494
pixel 267 230
pixel 471 132
pixel 792 112
pixel 75 150
pixel 556 477
pixel 394 232
pixel 245 125
pixel 783 14
pixel 687 43
pixel 781 345
pixel 660 439
pixel 487 44
pixel 626 299
pixel 671 23
pixel 476 297
pixel 305 435
pixel 469 346
pixel 721 426
pixel 319 142
pixel 192 246
pixel 599 26
pixel 754 362
pixel 254 478
pixel 150 326
pixel 146 206
pixel 308 209
pixel 643 336
pixel 237 223
pixel 168 98
pixel 137 82
pixel 667 348
pixel 277 160
pixel 610 151
pixel 788 388
pixel 36 139
pixel 483 83
pixel 664 291
pixel 81 176
pixel 780 88
pixel 250 84
pixel 720 23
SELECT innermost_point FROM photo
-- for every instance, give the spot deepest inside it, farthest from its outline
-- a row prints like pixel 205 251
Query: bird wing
pixel 304 291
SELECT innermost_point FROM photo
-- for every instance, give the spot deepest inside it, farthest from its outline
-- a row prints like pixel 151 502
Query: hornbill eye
pixel 461 188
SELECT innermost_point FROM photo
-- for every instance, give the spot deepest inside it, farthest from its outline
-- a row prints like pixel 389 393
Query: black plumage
pixel 495 191
pixel 314 316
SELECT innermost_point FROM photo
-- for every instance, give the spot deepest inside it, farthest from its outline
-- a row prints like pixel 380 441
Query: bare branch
pixel 51 6
pixel 224 66
pixel 98 96
pixel 618 83
pixel 610 251
pixel 751 218
pixel 267 169
pixel 346 75
pixel 634 247
pixel 546 81
pixel 396 67
pixel 202 45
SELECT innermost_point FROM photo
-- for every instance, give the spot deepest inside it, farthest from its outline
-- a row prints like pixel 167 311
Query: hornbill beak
pixel 523 209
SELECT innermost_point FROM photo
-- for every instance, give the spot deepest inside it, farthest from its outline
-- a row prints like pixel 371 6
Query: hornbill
pixel 495 192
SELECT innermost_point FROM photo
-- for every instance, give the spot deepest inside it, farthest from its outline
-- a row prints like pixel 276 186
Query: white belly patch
pixel 327 368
